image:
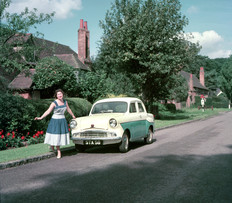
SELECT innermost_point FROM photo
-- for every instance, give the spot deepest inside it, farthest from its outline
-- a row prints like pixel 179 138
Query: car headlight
pixel 73 124
pixel 113 123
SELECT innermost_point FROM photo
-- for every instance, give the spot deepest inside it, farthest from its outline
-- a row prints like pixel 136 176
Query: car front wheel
pixel 124 145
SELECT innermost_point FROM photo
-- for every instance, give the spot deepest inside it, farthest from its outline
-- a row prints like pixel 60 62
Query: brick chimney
pixel 191 82
pixel 83 42
pixel 202 76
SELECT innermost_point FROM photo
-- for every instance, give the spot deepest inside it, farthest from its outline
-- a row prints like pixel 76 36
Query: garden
pixel 17 125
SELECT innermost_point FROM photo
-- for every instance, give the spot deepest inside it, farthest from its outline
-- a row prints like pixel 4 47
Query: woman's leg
pixel 58 152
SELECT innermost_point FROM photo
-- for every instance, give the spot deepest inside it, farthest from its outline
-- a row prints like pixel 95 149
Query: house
pixel 196 86
pixel 22 83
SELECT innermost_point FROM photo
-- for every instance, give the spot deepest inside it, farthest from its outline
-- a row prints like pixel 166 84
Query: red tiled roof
pixel 22 38
pixel 49 48
pixel 72 60
pixel 22 81
pixel 196 82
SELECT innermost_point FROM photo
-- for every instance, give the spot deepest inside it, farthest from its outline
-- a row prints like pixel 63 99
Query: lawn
pixel 28 151
pixel 181 116
pixel 166 119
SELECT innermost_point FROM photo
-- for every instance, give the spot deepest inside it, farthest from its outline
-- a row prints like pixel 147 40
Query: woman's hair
pixel 59 90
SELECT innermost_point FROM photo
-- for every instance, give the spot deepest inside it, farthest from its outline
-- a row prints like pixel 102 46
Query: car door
pixel 142 114
pixel 133 114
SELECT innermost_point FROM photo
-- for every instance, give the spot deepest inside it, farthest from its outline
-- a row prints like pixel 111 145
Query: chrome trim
pixel 102 138
pixel 92 134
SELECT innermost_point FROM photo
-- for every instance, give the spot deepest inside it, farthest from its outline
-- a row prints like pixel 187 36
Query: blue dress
pixel 57 132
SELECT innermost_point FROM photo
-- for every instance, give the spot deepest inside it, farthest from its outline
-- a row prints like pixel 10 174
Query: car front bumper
pixel 95 137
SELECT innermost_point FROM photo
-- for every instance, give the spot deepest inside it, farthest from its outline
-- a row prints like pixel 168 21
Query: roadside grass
pixel 166 119
pixel 28 151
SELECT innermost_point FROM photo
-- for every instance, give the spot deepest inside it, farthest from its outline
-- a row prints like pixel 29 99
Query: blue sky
pixel 210 22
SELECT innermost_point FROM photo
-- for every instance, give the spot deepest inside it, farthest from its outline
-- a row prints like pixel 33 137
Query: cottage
pixel 196 86
pixel 22 83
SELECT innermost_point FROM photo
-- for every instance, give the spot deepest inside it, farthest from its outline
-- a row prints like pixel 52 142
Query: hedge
pixel 17 115
pixel 216 101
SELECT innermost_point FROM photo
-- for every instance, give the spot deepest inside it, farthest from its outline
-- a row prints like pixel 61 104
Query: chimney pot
pixel 85 25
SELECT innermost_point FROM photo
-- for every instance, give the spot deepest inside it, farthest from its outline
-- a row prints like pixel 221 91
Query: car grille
pixel 93 134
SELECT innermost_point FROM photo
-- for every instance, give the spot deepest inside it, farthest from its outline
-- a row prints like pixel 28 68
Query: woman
pixel 57 132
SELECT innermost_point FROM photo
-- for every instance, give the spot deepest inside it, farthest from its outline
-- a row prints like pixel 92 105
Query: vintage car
pixel 113 121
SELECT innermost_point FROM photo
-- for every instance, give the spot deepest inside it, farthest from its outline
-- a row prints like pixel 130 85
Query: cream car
pixel 113 121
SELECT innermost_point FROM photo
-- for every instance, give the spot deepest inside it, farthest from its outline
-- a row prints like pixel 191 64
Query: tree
pixel 51 73
pixel 145 41
pixel 225 79
pixel 98 84
pixel 15 54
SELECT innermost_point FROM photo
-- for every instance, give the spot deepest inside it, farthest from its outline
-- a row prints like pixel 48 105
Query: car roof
pixel 125 99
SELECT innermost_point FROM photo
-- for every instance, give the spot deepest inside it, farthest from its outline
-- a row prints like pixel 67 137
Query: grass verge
pixel 181 116
pixel 28 151
pixel 167 119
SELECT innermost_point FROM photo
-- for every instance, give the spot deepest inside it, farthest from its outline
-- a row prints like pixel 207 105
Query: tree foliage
pixel 98 84
pixel 145 41
pixel 225 79
pixel 52 73
pixel 15 54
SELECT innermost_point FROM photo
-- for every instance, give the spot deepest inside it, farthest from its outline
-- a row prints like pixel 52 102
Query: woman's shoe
pixel 58 155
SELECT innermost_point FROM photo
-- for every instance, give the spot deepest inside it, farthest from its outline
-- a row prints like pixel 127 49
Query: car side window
pixel 141 109
pixel 132 108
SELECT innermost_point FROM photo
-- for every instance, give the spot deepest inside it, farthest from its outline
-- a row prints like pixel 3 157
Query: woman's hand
pixel 38 118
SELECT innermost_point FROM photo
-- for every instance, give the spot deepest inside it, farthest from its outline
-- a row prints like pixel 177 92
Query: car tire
pixel 149 138
pixel 124 145
pixel 80 148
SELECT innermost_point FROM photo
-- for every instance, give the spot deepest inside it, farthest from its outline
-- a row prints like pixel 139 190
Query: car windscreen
pixel 110 107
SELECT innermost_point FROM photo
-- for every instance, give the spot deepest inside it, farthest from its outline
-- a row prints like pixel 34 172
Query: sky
pixel 210 22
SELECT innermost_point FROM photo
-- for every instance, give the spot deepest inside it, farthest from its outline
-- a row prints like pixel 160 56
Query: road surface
pixel 187 163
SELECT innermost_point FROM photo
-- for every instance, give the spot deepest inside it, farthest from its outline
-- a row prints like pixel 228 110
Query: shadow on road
pixel 104 149
pixel 154 179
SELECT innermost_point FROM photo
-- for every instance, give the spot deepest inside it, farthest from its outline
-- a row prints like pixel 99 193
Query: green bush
pixel 155 108
pixel 171 107
pixel 16 113
pixel 17 124
pixel 220 102
pixel 80 107
pixel 216 101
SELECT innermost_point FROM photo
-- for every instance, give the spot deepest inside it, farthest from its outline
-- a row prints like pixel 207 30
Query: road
pixel 187 163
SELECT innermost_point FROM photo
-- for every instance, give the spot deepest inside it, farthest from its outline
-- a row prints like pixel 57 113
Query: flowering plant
pixel 38 137
pixel 14 139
